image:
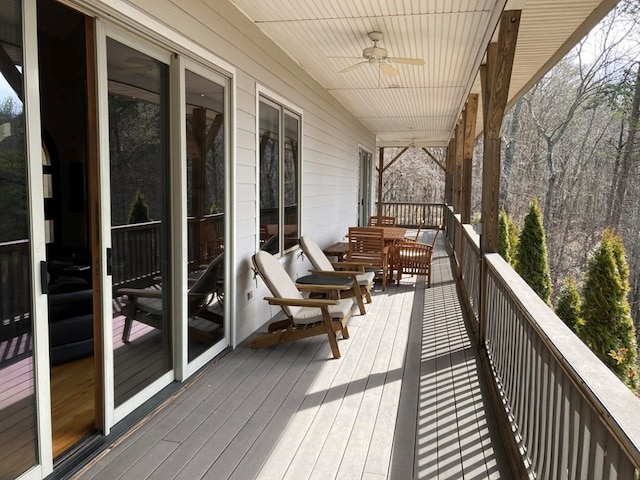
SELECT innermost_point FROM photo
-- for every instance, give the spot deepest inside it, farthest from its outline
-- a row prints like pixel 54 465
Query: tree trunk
pixel 549 200
pixel 509 152
pixel 628 159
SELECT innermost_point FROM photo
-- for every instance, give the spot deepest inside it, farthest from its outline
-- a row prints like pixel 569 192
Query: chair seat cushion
pixel 309 315
pixel 152 306
pixel 366 278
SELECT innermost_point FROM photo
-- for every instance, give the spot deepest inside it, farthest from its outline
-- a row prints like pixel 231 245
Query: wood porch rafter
pixel 381 169
pixel 435 160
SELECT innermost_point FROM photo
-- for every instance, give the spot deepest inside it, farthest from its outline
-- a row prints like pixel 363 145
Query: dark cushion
pixel 71 330
pixel 70 304
pixel 70 351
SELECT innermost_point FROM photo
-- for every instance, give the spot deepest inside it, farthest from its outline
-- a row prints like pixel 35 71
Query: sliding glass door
pixel 139 160
pixel 19 421
pixel 206 154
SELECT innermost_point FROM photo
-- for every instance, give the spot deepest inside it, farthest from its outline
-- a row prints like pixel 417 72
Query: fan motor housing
pixel 374 52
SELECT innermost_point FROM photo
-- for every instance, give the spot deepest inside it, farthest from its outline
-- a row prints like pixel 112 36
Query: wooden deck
pixel 403 402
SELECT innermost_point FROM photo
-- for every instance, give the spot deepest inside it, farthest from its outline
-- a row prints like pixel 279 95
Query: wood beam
pixel 470 120
pixel 448 178
pixel 495 94
pixel 394 159
pixel 457 166
pixel 381 168
pixel 436 161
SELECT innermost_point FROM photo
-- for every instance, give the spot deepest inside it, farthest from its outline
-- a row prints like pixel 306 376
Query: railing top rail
pixel 137 226
pixel 13 243
pixel 617 406
pixel 472 235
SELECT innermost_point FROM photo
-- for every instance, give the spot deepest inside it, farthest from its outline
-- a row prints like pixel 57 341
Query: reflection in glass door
pixel 206 147
pixel 18 446
pixel 139 169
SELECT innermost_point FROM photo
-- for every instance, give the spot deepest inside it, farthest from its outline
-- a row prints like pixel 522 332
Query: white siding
pixel 330 138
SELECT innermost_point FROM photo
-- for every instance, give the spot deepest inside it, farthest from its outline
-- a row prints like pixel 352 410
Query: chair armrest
pixel 141 292
pixel 300 302
pixel 350 265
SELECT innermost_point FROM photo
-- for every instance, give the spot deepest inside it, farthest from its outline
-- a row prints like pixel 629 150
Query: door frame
pixel 365 158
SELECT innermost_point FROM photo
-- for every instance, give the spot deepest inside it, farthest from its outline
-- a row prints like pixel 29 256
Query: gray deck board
pixel 405 401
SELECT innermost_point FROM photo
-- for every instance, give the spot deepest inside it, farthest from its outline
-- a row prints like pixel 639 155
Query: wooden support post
pixel 457 166
pixel 495 94
pixel 448 178
pixel 496 77
pixel 470 116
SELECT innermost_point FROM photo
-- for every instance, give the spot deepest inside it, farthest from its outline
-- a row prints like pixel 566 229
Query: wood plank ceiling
pixel 422 104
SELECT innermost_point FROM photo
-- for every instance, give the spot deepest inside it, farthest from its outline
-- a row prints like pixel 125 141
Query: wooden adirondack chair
pixel 306 317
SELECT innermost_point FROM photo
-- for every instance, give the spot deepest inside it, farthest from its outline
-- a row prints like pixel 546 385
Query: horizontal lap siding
pixel 331 136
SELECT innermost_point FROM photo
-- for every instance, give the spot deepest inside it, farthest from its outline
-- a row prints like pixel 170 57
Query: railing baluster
pixel 556 417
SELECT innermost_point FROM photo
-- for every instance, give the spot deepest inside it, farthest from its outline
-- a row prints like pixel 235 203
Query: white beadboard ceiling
pixel 421 105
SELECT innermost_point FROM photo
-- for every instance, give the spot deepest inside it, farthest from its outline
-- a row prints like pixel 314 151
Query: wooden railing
pixel 413 214
pixel 567 414
pixel 470 268
pixel 14 289
pixel 136 253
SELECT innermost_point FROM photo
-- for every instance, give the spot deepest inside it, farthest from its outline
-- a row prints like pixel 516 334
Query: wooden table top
pixel 392 234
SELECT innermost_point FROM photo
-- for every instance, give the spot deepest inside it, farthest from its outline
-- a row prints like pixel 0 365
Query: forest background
pixel 571 142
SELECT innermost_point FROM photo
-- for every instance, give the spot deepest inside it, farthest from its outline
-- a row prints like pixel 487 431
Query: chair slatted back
pixel 276 279
pixel 207 284
pixel 315 254
pixel 366 245
pixel 415 258
pixel 377 221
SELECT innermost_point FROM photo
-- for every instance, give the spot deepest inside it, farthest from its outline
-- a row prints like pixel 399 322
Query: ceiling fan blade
pixel 408 61
pixel 352 67
pixel 389 70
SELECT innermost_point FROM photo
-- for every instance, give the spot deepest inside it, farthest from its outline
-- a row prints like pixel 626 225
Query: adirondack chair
pixel 145 304
pixel 362 281
pixel 367 246
pixel 306 317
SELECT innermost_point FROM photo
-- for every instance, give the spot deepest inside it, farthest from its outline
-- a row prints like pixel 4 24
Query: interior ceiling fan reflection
pixel 377 55
pixel 139 65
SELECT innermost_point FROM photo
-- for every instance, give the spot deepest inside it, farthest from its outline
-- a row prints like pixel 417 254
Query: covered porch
pixel 474 377
pixel 406 400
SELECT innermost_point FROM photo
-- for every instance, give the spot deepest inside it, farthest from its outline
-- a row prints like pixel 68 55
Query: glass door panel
pixel 18 436
pixel 269 178
pixel 291 180
pixel 205 133
pixel 140 230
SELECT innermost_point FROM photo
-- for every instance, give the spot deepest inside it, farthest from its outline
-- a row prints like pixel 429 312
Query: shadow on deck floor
pixel 403 402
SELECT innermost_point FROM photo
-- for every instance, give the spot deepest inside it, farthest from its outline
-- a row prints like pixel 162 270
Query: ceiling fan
pixel 380 56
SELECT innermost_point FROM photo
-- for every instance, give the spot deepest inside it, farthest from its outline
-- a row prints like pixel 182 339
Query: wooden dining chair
pixel 379 221
pixel 415 258
pixel 367 246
